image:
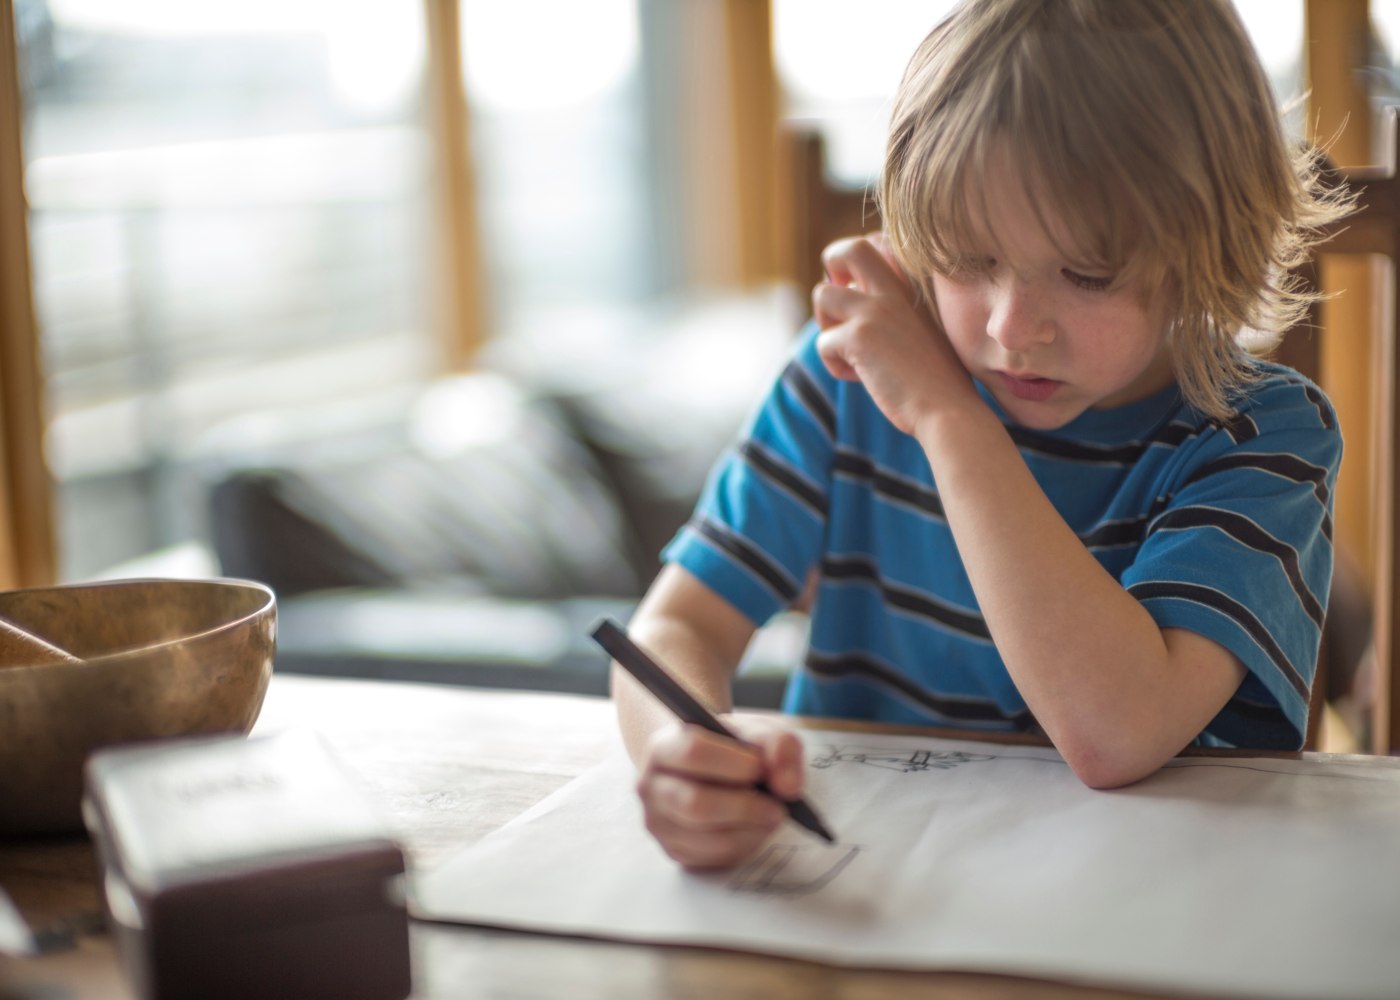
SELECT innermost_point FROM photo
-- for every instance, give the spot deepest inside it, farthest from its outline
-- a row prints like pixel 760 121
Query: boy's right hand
pixel 875 330
pixel 698 795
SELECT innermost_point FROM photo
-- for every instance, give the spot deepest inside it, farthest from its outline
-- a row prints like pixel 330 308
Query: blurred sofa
pixel 474 530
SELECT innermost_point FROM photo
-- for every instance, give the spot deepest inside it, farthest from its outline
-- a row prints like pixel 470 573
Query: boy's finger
pixel 707 851
pixel 858 261
pixel 829 346
pixel 701 807
pixel 784 757
pixel 692 751
pixel 833 304
pixel 785 761
pixel 834 262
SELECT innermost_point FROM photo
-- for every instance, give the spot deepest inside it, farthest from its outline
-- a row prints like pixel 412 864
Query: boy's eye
pixel 981 266
pixel 972 267
pixel 1088 282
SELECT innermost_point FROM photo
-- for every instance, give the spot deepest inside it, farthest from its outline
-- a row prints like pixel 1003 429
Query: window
pixel 1382 70
pixel 232 213
pixel 558 139
pixel 227 212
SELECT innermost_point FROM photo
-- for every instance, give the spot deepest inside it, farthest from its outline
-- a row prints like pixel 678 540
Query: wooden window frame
pixel 27 553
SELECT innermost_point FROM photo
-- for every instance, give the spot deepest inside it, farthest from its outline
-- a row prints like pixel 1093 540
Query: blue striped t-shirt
pixel 1221 528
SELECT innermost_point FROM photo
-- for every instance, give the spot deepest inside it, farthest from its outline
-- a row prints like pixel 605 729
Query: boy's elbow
pixel 1102 766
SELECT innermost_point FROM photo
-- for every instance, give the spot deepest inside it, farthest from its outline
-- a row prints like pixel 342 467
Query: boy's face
pixel 1048 337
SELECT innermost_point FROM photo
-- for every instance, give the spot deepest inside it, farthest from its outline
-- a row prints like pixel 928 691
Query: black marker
pixel 612 638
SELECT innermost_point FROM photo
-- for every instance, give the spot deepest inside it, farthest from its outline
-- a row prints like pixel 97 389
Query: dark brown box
pixel 241 868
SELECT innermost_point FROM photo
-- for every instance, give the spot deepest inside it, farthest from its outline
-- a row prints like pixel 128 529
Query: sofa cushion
pixel 483 641
pixel 487 491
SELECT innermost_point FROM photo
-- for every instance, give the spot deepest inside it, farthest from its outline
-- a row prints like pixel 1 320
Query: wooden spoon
pixel 20 647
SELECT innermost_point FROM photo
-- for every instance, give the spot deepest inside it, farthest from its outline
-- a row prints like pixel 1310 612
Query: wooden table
pixel 448 766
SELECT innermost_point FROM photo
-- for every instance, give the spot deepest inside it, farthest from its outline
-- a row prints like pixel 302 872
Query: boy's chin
pixel 1038 416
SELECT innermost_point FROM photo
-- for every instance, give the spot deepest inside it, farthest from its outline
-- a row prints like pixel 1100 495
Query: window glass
pixel 232 218
pixel 226 215
pixel 1276 26
pixel 559 154
pixel 842 71
pixel 1383 73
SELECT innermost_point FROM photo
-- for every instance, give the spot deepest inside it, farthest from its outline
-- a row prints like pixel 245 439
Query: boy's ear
pixel 881 242
pixel 920 292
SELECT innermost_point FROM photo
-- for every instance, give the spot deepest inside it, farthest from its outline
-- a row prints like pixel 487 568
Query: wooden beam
pixel 1362 373
pixel 1385 720
pixel 722 125
pixel 1338 33
pixel 753 100
pixel 820 211
pixel 1382 193
pixel 26 511
pixel 461 314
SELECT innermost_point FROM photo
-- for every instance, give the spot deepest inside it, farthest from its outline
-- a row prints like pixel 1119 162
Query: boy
pixel 1040 484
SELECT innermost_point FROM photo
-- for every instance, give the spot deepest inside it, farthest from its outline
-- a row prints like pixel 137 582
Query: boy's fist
pixel 698 795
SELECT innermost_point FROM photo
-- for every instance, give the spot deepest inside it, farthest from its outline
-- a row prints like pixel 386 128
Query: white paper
pixel 1248 876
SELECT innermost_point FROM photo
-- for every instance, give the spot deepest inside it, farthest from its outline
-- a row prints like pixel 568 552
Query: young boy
pixel 1039 483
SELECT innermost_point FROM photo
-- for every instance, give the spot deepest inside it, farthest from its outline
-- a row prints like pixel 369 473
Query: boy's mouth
pixel 1031 388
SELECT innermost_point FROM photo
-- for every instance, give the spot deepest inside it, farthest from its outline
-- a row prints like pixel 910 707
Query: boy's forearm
pixel 682 625
pixel 1111 690
pixel 685 653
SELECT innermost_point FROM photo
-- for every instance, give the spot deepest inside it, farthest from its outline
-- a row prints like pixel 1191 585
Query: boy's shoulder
pixel 1279 397
pixel 1280 410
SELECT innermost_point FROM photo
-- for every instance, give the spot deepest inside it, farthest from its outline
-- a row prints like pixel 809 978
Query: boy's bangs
pixel 1072 167
pixel 1093 221
pixel 1087 202
pixel 1092 226
pixel 953 202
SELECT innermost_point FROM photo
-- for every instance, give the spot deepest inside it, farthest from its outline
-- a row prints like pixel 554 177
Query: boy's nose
pixel 1018 320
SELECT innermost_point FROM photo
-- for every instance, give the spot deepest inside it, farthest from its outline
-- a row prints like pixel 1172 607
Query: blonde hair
pixel 1150 128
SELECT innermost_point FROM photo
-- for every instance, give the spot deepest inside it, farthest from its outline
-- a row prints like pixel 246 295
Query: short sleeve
pixel 1241 553
pixel 758 527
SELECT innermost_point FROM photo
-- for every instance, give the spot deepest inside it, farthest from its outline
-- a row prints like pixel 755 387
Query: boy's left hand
pixel 874 331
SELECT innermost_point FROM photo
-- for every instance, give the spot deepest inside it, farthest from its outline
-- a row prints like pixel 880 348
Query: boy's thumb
pixel 783 755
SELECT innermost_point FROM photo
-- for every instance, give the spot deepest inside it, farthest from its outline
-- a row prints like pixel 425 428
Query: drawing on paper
pixel 792 870
pixel 895 759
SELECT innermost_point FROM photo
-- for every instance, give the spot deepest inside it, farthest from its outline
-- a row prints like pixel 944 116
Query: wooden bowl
pixel 158 658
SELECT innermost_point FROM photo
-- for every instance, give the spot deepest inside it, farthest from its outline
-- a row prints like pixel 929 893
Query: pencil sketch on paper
pixel 792 870
pixel 896 759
